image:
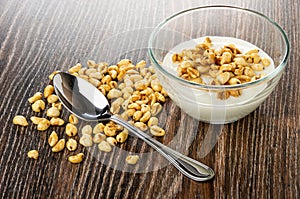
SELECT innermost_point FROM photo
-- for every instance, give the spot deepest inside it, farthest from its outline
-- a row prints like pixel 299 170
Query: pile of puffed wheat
pixel 135 94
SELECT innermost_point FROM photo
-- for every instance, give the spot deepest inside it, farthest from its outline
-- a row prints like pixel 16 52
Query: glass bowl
pixel 198 100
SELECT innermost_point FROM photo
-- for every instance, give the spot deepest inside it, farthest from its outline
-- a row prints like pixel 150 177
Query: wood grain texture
pixel 255 157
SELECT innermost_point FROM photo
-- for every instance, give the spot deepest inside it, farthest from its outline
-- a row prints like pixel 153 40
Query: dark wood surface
pixel 255 157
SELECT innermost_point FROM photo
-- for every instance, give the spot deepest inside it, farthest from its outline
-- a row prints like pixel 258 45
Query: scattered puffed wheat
pixel 53 139
pixel 73 119
pixel 38 105
pixel 35 97
pixel 20 120
pixel 59 146
pixel 48 91
pixel 43 125
pixel 104 146
pixel 132 159
pixel 86 140
pixel 34 154
pixel 71 144
pixel 71 130
pixel 76 158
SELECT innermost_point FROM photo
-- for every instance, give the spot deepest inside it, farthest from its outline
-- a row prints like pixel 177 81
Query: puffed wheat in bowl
pixel 218 63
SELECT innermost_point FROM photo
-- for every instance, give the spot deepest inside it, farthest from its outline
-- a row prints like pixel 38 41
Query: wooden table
pixel 255 157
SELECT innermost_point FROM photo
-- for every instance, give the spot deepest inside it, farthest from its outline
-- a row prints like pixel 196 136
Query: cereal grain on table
pixel 132 159
pixel 43 125
pixel 71 144
pixel 53 139
pixel 75 159
pixel 35 97
pixel 49 89
pixel 59 146
pixel 34 154
pixel 71 130
pixel 20 120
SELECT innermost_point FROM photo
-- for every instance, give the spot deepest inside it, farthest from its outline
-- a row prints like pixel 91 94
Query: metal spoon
pixel 88 103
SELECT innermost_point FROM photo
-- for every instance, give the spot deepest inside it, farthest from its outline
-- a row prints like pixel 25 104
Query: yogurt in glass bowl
pixel 224 26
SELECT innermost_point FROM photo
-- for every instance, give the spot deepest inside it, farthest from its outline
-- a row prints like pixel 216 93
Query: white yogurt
pixel 205 106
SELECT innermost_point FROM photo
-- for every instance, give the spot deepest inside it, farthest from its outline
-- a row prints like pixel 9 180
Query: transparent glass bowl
pixel 200 101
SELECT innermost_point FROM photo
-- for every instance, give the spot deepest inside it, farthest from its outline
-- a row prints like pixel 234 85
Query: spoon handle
pixel 188 166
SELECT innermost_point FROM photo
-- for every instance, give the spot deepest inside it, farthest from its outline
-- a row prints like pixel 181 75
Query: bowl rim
pixel 268 77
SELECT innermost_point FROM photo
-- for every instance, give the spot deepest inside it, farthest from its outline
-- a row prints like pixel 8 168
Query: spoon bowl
pixel 88 103
pixel 80 98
